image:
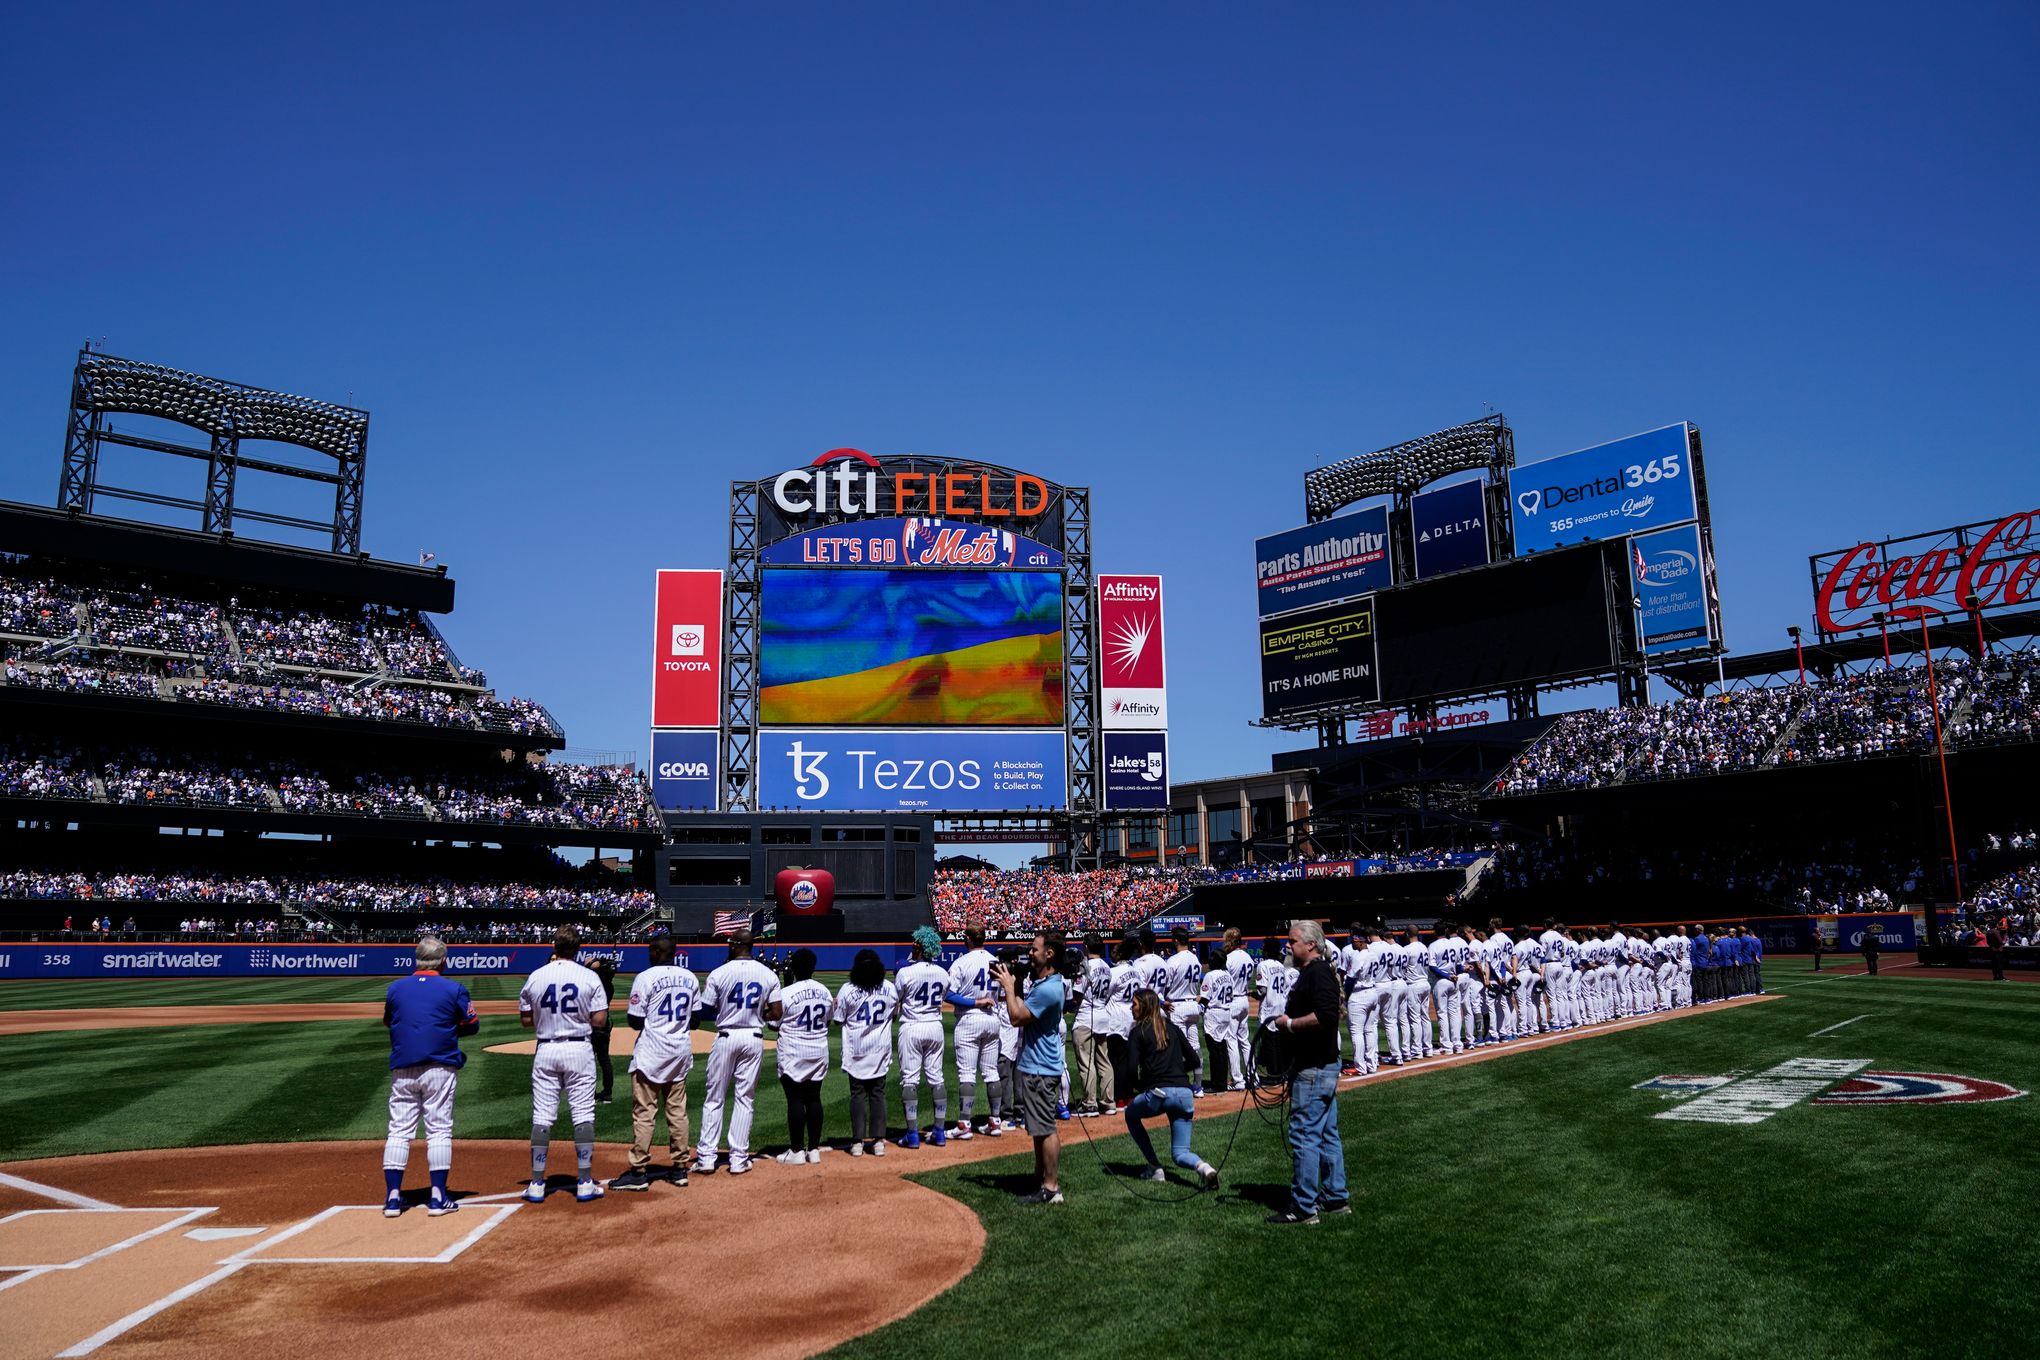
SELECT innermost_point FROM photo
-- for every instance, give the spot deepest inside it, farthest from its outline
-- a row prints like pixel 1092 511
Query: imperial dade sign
pixel 1996 561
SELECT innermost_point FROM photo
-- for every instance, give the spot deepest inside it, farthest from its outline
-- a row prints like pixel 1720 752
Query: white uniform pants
pixel 733 1075
pixel 568 1065
pixel 1416 1015
pixel 921 1059
pixel 1469 1007
pixel 1528 1021
pixel 1667 984
pixel 1363 1020
pixel 424 1091
pixel 1238 1048
pixel 1555 990
pixel 1445 994
pixel 1682 985
pixel 977 1049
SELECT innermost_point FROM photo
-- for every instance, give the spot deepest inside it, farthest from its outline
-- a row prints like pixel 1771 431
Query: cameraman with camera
pixel 1039 1015
pixel 1309 1026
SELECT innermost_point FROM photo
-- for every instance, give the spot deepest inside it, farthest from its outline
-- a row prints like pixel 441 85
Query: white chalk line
pixel 143 1314
pixel 1832 1028
pixel 184 1216
pixel 76 1201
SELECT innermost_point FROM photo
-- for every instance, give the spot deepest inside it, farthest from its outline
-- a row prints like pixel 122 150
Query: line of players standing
pixel 1406 1000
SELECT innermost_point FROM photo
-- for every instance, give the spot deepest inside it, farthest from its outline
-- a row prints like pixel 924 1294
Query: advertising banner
pixel 1667 573
pixel 930 647
pixel 685 771
pixel 687 615
pixel 1136 771
pixel 945 770
pixel 1896 930
pixel 1642 482
pixel 1320 658
pixel 1449 529
pixel 1996 562
pixel 1323 563
pixel 1131 674
pixel 909 543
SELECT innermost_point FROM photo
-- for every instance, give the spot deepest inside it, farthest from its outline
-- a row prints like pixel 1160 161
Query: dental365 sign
pixel 1642 482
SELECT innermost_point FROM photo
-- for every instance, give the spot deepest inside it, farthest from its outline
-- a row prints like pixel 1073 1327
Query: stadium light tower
pixel 1940 747
pixel 1799 651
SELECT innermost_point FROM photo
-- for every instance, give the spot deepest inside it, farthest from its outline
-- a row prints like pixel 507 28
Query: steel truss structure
pixel 1065 525
pixel 227 413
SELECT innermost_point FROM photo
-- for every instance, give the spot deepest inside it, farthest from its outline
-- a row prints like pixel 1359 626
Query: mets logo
pixel 804 894
pixel 1915 1088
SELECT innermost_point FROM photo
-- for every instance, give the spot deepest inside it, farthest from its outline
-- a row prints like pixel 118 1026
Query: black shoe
pixel 1334 1206
pixel 677 1176
pixel 603 1100
pixel 631 1180
pixel 1289 1217
pixel 1043 1196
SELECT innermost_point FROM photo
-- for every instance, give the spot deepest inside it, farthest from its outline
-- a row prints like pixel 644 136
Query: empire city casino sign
pixel 850 482
pixel 1996 561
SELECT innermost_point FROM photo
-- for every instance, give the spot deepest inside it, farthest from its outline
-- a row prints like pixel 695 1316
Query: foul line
pixel 76 1201
pixel 141 1315
pixel 184 1216
pixel 1832 1028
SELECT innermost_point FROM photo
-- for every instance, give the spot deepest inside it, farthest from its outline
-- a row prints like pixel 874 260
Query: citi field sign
pixel 845 483
pixel 1996 561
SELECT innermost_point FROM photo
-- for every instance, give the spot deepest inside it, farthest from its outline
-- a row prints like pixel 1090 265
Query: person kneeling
pixel 1162 1063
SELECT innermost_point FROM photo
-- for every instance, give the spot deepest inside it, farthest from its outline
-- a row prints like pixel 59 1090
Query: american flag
pixel 730 922
pixel 1636 553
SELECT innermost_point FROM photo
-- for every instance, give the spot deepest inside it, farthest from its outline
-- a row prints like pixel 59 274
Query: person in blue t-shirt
pixel 427 1013
pixel 1756 949
pixel 1039 1014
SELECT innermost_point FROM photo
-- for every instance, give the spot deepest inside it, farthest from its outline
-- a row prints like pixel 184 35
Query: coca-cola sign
pixel 1997 561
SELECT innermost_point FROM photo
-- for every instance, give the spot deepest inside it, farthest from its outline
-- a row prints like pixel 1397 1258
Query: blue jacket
pixel 427 1013
pixel 1703 952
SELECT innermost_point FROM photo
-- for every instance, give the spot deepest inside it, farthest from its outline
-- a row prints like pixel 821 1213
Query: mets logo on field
pixel 1915 1088
pixel 1747 1097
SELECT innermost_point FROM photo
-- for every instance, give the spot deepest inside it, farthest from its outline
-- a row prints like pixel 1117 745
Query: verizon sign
pixel 1134 686
pixel 1997 561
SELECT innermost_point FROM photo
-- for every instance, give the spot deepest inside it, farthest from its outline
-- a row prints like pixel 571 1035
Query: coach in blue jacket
pixel 1703 966
pixel 427 1013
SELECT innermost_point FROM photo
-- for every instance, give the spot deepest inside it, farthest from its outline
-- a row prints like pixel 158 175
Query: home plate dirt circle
pixel 282 1251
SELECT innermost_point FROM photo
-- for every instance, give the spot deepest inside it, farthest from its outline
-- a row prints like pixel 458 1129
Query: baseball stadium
pixel 749 831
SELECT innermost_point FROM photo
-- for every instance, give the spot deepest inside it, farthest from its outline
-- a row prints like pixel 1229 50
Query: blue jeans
pixel 1314 1139
pixel 1175 1102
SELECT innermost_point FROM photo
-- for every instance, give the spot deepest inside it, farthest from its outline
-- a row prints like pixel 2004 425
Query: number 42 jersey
pixel 664 998
pixel 559 997
pixel 738 993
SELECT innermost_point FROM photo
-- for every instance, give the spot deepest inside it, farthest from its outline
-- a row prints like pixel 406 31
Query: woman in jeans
pixel 1162 1063
pixel 864 1008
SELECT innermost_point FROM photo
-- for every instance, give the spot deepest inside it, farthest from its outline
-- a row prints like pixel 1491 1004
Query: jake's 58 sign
pixel 1320 658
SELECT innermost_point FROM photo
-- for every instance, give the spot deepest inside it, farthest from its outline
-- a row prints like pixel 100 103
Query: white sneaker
pixel 739 1165
pixel 814 1156
pixel 961 1133
pixel 878 1148
pixel 704 1166
pixel 995 1128
pixel 856 1149
pixel 534 1193
pixel 1155 1174
pixel 790 1157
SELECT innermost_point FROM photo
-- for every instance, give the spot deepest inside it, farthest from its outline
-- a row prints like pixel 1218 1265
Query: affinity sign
pixel 1337 559
pixel 1642 482
pixel 832 770
pixel 1320 658
pixel 1133 678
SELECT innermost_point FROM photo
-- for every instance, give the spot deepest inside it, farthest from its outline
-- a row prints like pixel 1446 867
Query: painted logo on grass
pixel 1751 1098
pixel 1916 1088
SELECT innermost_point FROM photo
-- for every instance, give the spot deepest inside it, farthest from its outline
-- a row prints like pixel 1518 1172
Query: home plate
pixel 359 1233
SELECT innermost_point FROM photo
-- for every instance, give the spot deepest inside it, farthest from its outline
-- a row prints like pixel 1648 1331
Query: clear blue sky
pixel 585 270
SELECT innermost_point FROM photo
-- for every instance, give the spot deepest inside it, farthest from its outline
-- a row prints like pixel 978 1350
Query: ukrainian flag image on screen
pixel 910 648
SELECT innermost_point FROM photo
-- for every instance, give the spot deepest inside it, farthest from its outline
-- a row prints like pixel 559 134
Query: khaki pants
pixel 647 1099
pixel 1094 1067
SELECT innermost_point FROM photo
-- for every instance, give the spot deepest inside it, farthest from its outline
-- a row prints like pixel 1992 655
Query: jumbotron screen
pixel 910 648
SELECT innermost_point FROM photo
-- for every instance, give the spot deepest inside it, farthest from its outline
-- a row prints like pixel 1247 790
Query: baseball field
pixel 1843 1168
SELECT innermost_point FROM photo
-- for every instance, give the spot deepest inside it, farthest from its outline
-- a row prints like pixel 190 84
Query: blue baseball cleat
pixel 937 1137
pixel 911 1139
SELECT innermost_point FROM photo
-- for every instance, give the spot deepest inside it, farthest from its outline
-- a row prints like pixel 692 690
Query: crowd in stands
pixel 1852 717
pixel 344 895
pixel 1011 901
pixel 600 797
pixel 1811 876
pixel 131 638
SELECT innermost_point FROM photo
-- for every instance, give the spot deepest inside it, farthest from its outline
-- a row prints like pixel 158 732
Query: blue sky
pixel 586 269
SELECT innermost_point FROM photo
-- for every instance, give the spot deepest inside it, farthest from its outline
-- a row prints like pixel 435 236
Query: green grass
pixel 1529 1205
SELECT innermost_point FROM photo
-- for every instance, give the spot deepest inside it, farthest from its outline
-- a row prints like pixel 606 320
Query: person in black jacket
pixel 1162 1063
pixel 606 970
pixel 1871 944
pixel 1310 1024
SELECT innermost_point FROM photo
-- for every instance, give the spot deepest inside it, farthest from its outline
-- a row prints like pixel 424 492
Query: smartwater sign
pixel 933 770
pixel 684 774
pixel 1449 529
pixel 1642 482
pixel 1136 771
pixel 1670 580
pixel 1324 563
